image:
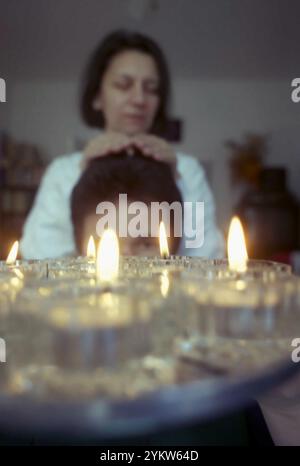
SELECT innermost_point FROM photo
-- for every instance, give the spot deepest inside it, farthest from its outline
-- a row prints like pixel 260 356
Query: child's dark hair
pixel 141 178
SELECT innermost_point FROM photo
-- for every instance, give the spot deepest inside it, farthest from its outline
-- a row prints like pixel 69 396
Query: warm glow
pixel 91 248
pixel 12 256
pixel 236 247
pixel 163 242
pixel 108 256
pixel 164 283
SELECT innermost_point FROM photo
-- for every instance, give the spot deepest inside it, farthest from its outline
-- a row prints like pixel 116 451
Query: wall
pixel 213 111
pixel 232 62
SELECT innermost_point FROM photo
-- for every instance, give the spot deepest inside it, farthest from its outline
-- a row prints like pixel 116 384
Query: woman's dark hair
pixel 110 46
pixel 141 178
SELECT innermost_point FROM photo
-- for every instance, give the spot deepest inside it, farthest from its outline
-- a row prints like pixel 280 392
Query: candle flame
pixel 236 247
pixel 107 266
pixel 164 283
pixel 163 242
pixel 13 253
pixel 91 248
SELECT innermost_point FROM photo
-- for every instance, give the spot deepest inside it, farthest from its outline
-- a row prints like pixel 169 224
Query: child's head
pixel 142 179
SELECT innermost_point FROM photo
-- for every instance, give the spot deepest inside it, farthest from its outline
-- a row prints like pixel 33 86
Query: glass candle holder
pixel 263 270
pixel 11 282
pixel 10 285
pixel 71 268
pixel 28 269
pixel 70 335
pixel 240 325
pixel 137 266
pixel 65 332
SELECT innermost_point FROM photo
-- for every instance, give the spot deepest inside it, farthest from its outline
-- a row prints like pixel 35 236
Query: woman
pixel 125 93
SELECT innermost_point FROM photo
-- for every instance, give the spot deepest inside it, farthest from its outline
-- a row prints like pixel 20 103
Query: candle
pixel 229 314
pixel 12 256
pixel 240 308
pixel 73 332
pixel 163 241
pixel 165 283
pixel 237 252
pixel 74 267
pixel 91 256
pixel 23 269
pixel 239 326
pixel 91 249
pixel 107 263
pixel 238 266
pixel 154 266
pixel 11 282
pixel 164 252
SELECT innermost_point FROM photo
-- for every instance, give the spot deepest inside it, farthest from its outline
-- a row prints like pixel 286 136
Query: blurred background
pixel 232 64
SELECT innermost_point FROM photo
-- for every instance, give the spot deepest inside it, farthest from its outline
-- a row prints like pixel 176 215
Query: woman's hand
pixel 157 148
pixel 105 144
pixel 149 145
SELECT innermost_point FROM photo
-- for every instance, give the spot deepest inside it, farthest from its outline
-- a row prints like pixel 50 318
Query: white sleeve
pixel 48 230
pixel 195 188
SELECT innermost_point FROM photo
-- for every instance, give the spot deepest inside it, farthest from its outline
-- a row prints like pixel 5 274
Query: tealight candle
pixel 27 269
pixel 249 321
pixel 107 262
pixel 91 249
pixel 12 256
pixel 100 316
pixel 100 328
pixel 237 252
pixel 238 266
pixel 154 266
pixel 240 308
pixel 74 267
pixel 11 282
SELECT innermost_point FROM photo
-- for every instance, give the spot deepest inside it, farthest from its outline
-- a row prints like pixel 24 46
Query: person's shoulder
pixel 189 163
pixel 64 168
pixel 62 173
pixel 67 161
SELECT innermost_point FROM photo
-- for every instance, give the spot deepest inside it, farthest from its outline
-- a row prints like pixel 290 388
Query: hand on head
pixel 112 143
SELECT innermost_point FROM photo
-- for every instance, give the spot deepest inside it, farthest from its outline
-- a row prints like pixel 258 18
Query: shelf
pixel 18 188
pixel 15 205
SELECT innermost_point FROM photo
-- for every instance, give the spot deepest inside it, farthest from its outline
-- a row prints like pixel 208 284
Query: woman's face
pixel 129 94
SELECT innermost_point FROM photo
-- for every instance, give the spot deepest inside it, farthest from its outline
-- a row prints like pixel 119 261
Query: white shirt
pixel 48 231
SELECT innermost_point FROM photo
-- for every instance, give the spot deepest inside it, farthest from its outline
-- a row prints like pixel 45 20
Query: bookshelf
pixel 21 169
